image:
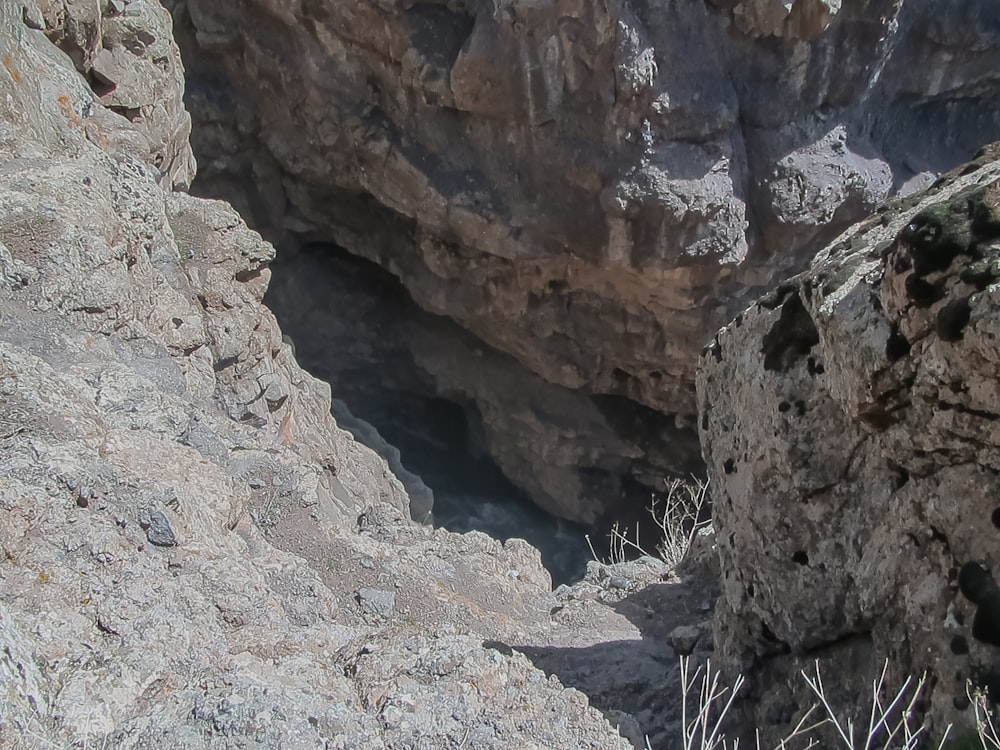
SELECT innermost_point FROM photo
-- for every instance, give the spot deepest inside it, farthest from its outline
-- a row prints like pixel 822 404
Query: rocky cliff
pixel 590 186
pixel 849 421
pixel 192 554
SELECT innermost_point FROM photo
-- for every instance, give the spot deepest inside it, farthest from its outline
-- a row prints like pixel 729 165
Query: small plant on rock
pixel 892 716
pixel 678 512
pixel 986 726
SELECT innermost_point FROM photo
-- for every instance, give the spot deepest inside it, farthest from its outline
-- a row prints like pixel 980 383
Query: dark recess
pixel 897 346
pixel 790 338
pixel 952 319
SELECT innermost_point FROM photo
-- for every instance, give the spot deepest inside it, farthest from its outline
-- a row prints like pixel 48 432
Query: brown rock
pixel 590 187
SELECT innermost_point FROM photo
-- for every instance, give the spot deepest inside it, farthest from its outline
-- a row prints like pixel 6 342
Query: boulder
pixel 848 420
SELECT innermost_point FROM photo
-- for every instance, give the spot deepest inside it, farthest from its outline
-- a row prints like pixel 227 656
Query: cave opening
pixel 354 325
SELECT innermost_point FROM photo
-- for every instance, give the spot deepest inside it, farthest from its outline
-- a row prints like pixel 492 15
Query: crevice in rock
pixel 438 33
pixel 355 326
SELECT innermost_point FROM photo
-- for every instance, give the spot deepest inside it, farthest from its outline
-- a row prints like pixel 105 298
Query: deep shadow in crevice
pixel 354 325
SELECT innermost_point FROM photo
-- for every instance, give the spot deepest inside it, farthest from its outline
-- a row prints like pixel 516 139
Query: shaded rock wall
pixel 849 421
pixel 592 187
pixel 386 355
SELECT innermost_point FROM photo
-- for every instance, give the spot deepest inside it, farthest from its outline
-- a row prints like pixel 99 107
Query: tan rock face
pixel 801 19
pixel 591 187
pixel 849 424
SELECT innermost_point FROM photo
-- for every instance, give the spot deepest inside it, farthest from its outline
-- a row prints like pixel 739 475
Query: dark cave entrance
pixel 355 326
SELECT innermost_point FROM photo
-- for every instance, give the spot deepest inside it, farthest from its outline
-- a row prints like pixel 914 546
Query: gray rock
pixel 847 420
pixel 375 602
pixel 684 638
pixel 160 532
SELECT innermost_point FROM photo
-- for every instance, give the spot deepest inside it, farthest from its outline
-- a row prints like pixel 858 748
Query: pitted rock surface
pixel 849 423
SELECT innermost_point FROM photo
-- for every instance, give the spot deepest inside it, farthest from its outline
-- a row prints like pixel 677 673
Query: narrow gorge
pixel 589 188
pixel 331 332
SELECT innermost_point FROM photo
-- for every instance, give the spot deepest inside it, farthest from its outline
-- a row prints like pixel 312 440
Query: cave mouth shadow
pixel 354 325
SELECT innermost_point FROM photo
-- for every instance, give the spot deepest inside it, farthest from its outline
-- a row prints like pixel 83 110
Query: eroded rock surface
pixel 192 554
pixel 849 421
pixel 126 50
pixel 590 187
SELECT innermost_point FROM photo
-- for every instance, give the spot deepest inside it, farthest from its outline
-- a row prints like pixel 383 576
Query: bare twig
pixel 677 512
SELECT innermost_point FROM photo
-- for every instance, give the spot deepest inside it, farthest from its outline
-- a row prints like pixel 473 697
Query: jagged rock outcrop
pixel 126 51
pixel 849 421
pixel 192 554
pixel 590 186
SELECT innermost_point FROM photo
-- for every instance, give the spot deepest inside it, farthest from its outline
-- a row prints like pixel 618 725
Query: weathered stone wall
pixel 849 421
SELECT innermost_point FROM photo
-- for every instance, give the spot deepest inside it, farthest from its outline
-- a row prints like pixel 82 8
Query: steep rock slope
pixel 192 554
pixel 591 186
pixel 849 420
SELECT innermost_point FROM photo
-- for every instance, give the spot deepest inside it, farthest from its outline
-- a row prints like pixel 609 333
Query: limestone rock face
pixel 849 421
pixel 801 19
pixel 187 540
pixel 125 49
pixel 592 187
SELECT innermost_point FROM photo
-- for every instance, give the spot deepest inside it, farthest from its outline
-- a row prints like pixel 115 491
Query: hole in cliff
pixel 898 475
pixel 620 376
pixel 800 557
pixel 922 293
pixel 132 114
pixel 936 237
pixel 438 33
pixel 355 326
pixel 995 517
pixel 952 319
pixel 897 346
pixel 791 337
pixel 100 85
